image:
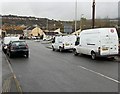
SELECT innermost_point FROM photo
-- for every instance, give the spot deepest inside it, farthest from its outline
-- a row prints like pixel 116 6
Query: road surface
pixel 49 71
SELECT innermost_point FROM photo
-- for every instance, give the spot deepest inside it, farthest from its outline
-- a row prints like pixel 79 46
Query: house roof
pixel 14 32
pixel 51 33
pixel 30 28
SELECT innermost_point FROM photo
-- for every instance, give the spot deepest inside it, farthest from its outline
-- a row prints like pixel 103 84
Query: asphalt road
pixel 48 71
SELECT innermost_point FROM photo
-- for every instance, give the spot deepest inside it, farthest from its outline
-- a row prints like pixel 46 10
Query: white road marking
pixel 114 80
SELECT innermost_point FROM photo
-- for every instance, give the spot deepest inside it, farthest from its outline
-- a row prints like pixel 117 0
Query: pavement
pixel 8 81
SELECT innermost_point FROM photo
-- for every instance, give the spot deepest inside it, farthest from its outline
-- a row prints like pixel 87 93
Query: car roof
pixel 19 41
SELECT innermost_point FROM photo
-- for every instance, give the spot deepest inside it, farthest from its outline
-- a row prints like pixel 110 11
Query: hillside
pixel 15 22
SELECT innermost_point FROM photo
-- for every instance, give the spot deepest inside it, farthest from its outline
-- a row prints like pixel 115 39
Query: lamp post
pixel 75 14
pixel 81 21
pixel 93 14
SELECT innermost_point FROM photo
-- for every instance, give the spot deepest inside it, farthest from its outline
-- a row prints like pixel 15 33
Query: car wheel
pixel 75 52
pixel 93 55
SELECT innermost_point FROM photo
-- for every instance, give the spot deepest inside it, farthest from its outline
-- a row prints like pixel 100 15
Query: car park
pixel 6 41
pixel 18 48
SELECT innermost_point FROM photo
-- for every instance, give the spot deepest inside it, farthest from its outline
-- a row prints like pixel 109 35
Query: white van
pixel 63 42
pixel 98 42
pixel 7 40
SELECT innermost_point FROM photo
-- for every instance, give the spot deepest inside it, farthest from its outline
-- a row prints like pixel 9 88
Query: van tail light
pixel 99 50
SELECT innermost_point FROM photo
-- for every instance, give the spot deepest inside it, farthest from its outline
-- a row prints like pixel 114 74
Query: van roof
pixel 88 30
pixel 99 28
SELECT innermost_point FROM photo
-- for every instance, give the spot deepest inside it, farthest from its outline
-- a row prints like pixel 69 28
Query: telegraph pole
pixel 93 14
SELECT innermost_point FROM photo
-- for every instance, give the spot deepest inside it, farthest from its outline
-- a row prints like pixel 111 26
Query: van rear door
pixel 113 41
pixel 105 45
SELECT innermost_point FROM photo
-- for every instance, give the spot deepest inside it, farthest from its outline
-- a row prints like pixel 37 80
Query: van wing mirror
pixel 76 43
pixel 53 41
pixel 1 42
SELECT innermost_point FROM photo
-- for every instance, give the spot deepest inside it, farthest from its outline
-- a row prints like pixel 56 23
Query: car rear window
pixel 20 43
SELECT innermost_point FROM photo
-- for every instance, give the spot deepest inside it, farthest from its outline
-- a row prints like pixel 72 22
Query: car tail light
pixel 11 47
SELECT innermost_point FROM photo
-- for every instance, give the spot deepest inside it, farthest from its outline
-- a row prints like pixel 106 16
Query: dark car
pixel 16 48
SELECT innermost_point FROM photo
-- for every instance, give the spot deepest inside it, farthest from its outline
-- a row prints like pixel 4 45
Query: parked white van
pixel 63 42
pixel 98 42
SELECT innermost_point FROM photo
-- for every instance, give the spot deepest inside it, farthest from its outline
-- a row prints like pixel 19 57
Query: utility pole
pixel 75 14
pixel 93 14
pixel 81 21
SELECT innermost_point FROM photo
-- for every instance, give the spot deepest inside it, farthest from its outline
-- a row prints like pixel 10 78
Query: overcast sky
pixel 59 9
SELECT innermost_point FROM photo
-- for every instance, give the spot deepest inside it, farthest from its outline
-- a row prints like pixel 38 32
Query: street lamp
pixel 75 14
pixel 81 21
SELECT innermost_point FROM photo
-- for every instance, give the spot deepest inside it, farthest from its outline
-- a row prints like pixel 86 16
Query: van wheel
pixel 93 55
pixel 60 49
pixel 75 52
pixel 53 48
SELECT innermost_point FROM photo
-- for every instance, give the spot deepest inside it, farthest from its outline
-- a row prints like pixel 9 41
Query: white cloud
pixel 60 10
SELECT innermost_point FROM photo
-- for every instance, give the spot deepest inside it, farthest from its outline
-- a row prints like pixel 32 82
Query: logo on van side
pixel 112 30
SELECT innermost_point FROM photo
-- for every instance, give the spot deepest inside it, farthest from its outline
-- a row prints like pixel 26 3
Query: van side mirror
pixel 77 41
pixel 1 42
pixel 53 41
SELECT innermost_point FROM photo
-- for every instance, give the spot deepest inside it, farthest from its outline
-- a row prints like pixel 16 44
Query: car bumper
pixel 19 52
pixel 68 48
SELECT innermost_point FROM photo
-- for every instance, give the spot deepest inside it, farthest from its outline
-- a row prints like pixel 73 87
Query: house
pixel 28 30
pixel 36 32
pixel 50 34
pixel 14 32
pixel 3 34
